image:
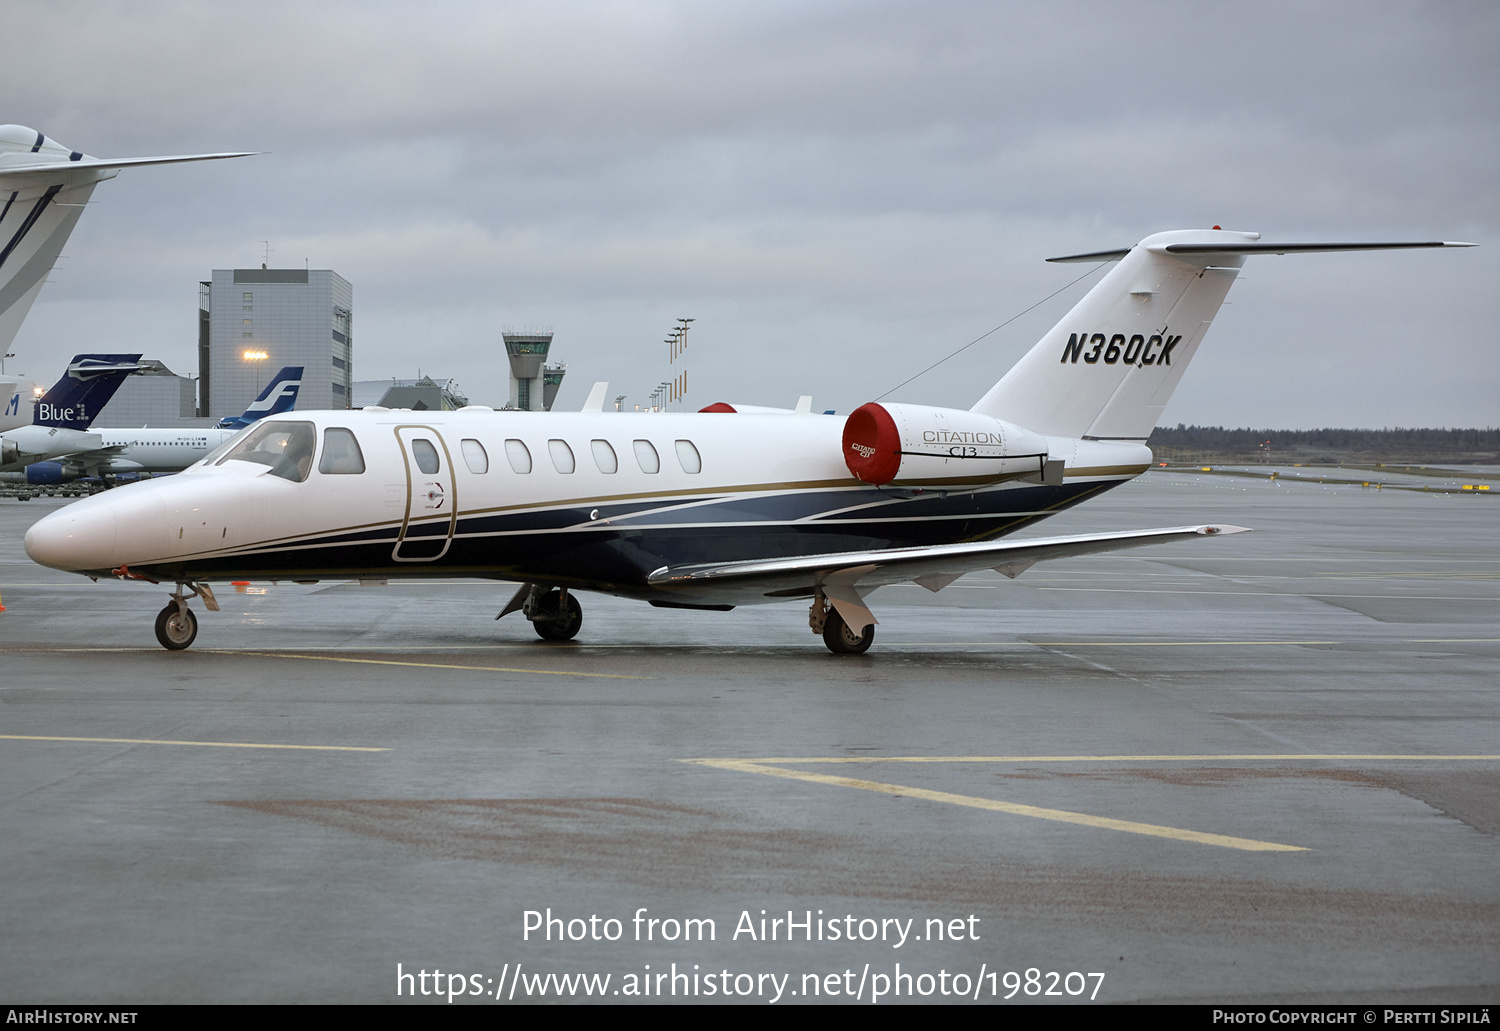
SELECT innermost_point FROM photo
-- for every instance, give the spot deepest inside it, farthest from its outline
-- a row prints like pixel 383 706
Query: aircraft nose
pixel 78 537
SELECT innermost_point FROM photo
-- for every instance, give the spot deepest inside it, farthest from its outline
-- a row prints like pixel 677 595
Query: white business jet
pixel 700 511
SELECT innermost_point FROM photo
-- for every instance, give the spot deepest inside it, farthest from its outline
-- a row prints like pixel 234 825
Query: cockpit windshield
pixel 287 447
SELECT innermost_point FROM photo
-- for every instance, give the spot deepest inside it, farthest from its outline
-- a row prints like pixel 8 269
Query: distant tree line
pixel 1333 446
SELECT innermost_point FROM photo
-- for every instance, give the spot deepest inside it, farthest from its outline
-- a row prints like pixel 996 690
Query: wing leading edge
pixel 844 577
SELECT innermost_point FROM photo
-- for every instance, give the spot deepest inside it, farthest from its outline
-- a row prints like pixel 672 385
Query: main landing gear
pixel 554 613
pixel 840 638
pixel 176 626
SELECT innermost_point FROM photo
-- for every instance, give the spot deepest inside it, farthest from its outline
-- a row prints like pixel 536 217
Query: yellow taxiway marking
pixel 426 665
pixel 1015 809
pixel 201 744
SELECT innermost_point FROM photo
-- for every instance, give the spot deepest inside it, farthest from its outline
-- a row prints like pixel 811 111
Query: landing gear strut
pixel 176 626
pixel 555 614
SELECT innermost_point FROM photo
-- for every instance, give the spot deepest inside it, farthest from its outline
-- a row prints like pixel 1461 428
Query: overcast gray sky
pixel 839 193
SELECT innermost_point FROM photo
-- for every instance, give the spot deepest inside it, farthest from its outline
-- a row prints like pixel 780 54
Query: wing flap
pixel 933 567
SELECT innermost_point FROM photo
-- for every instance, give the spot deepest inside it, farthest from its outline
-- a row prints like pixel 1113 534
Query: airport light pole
pixel 255 358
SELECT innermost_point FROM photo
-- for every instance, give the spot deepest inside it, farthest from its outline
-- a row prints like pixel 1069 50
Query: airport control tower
pixel 533 384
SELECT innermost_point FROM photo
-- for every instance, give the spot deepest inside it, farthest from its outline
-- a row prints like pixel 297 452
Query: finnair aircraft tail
pixel 279 396
pixel 1106 370
pixel 44 187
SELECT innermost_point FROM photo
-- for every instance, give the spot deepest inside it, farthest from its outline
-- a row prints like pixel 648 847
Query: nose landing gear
pixel 176 626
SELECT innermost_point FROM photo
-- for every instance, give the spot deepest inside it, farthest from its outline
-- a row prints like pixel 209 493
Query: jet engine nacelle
pixel 45 472
pixel 940 448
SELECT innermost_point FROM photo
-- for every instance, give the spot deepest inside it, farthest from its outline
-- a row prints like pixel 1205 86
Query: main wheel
pixel 176 627
pixel 843 641
pixel 557 619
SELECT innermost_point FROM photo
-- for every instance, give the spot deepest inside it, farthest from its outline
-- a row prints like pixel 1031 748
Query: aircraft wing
pixel 845 576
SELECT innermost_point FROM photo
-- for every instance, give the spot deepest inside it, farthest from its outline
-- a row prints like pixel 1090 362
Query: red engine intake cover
pixel 872 444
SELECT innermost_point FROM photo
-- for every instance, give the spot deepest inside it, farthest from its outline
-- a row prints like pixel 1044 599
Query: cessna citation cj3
pixel 698 511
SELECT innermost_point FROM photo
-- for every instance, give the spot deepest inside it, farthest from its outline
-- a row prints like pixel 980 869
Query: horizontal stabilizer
pixel 935 564
pixel 61 171
pixel 1258 247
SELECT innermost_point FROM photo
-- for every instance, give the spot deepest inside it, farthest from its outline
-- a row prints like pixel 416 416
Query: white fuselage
pixel 589 499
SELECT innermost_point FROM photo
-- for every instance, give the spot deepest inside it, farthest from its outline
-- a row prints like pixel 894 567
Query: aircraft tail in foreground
pixel 44 187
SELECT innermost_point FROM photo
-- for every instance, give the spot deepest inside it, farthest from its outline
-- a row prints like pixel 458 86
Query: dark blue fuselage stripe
pixel 618 558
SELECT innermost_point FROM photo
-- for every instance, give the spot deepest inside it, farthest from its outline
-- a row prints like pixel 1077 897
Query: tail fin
pixel 87 386
pixel 44 187
pixel 279 396
pixel 10 404
pixel 1106 371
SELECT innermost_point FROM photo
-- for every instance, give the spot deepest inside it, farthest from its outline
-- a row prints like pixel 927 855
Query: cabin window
pixel 604 456
pixel 646 455
pixel 475 456
pixel 687 454
pixel 341 453
pixel 425 454
pixel 520 458
pixel 287 447
pixel 562 455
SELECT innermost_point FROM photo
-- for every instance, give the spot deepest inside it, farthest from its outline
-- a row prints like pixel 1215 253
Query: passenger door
pixel 431 496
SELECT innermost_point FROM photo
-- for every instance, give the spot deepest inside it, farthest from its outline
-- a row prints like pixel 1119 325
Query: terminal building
pixel 254 321
pixel 155 396
pixel 420 395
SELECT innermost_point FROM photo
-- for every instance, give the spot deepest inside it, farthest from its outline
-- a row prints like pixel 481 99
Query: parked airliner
pixel 59 421
pixel 702 511
pixel 44 187
pixel 112 452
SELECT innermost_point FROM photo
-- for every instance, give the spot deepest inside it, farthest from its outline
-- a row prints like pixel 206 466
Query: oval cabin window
pixel 562 455
pixel 604 456
pixel 646 455
pixel 426 455
pixel 520 458
pixel 475 457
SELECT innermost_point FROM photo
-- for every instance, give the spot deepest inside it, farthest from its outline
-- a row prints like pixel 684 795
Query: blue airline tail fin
pixel 279 396
pixel 84 390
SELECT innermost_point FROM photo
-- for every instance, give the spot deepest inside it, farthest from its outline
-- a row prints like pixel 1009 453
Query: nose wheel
pixel 176 626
